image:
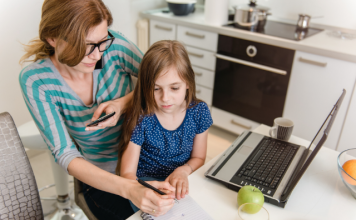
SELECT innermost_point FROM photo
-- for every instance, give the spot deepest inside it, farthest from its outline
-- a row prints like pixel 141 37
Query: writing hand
pixel 148 200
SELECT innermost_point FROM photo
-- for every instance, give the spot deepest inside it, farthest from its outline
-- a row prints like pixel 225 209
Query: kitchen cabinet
pixel 316 83
pixel 348 135
pixel 201 47
pixel 161 31
pixel 197 38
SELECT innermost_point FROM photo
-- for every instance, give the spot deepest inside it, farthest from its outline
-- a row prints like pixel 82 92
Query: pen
pixel 143 183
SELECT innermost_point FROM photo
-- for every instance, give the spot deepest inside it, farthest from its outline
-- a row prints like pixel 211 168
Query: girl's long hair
pixel 159 58
pixel 68 21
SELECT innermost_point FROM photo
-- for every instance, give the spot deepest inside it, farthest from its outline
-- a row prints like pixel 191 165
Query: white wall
pixel 19 20
pixel 338 13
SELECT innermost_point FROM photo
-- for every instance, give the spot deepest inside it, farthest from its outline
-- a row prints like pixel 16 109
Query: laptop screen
pixel 315 146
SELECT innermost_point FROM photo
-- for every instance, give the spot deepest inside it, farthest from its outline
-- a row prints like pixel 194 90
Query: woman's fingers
pixel 99 111
pixel 157 204
pixel 162 185
pixel 108 122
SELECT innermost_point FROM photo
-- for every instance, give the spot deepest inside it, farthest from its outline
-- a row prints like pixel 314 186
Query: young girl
pixel 166 127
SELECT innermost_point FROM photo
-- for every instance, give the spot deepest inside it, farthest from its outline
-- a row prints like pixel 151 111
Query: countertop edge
pixel 275 41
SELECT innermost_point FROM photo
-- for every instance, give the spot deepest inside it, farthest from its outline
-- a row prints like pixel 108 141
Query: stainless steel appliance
pixel 252 15
pixel 303 21
pixel 251 79
pixel 278 29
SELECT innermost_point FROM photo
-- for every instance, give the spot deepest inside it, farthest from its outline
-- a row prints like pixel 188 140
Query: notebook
pixel 273 166
pixel 186 209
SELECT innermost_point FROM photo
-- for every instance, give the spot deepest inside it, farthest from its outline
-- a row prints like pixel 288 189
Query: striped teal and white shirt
pixel 60 114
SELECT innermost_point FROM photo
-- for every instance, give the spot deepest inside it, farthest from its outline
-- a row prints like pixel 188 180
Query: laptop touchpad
pixel 245 150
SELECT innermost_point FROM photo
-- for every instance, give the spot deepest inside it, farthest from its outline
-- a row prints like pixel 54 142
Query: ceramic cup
pixel 282 129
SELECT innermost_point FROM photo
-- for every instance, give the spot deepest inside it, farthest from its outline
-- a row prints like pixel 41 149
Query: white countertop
pixel 319 195
pixel 320 43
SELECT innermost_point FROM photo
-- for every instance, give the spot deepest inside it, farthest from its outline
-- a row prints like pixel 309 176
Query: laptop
pixel 273 166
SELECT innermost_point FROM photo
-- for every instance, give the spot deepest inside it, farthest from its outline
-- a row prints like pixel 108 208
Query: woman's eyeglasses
pixel 102 46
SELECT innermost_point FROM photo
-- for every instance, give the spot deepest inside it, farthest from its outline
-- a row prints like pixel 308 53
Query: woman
pixel 81 70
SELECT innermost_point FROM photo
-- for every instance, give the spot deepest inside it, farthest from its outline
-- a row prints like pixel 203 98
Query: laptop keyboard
pixel 266 166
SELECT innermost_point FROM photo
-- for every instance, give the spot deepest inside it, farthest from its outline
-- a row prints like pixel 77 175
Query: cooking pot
pixel 303 21
pixel 251 15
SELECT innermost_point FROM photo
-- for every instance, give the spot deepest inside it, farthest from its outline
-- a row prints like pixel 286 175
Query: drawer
pixel 161 31
pixel 204 94
pixel 198 38
pixel 231 122
pixel 201 58
pixel 204 77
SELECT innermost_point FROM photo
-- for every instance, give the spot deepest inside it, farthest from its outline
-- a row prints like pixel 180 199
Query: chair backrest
pixel 19 197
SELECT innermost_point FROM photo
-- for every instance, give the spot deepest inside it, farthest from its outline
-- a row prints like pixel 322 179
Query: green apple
pixel 250 194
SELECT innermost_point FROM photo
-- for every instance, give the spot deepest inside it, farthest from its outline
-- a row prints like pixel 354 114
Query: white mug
pixel 282 129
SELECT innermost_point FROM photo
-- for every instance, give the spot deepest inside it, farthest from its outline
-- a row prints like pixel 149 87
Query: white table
pixel 320 194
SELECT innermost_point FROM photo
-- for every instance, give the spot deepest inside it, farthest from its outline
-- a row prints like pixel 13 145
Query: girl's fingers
pixel 184 189
pixel 179 189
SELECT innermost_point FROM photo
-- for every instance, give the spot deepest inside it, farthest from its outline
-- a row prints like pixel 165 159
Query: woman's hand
pixel 116 106
pixel 151 202
pixel 179 180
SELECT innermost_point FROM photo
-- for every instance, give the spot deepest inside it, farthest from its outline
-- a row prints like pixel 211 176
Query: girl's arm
pixel 129 161
pixel 179 177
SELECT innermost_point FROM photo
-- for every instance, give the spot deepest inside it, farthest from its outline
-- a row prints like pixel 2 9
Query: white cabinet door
pixel 201 58
pixel 204 94
pixel 204 77
pixel 197 38
pixel 231 122
pixel 161 31
pixel 348 136
pixel 315 85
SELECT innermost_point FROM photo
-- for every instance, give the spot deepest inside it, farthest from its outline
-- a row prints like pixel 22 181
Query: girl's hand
pixel 116 106
pixel 151 202
pixel 179 180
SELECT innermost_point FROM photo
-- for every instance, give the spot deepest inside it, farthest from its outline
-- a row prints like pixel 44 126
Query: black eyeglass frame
pixel 112 38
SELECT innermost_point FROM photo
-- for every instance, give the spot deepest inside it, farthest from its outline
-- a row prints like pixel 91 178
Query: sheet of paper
pixel 186 209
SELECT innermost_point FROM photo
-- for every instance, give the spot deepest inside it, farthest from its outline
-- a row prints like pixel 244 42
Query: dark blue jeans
pixel 105 205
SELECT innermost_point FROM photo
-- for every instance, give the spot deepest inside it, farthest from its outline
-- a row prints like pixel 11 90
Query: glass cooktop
pixel 282 30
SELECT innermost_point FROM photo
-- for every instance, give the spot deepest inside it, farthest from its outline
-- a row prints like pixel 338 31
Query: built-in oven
pixel 251 79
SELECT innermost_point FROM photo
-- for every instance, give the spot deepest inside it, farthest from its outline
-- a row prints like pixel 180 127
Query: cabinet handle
pixel 196 55
pixel 241 125
pixel 198 74
pixel 163 28
pixel 198 91
pixel 254 65
pixel 195 35
pixel 301 59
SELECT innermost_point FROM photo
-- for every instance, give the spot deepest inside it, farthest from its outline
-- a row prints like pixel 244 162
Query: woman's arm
pixel 179 177
pixel 117 106
pixel 144 198
pixel 129 161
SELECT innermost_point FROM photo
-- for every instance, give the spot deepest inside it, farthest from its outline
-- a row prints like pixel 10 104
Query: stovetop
pixel 282 30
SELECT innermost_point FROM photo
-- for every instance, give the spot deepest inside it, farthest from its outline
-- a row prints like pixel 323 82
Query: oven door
pixel 253 91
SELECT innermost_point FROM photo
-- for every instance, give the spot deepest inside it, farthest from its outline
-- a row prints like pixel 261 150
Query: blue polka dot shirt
pixel 162 150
